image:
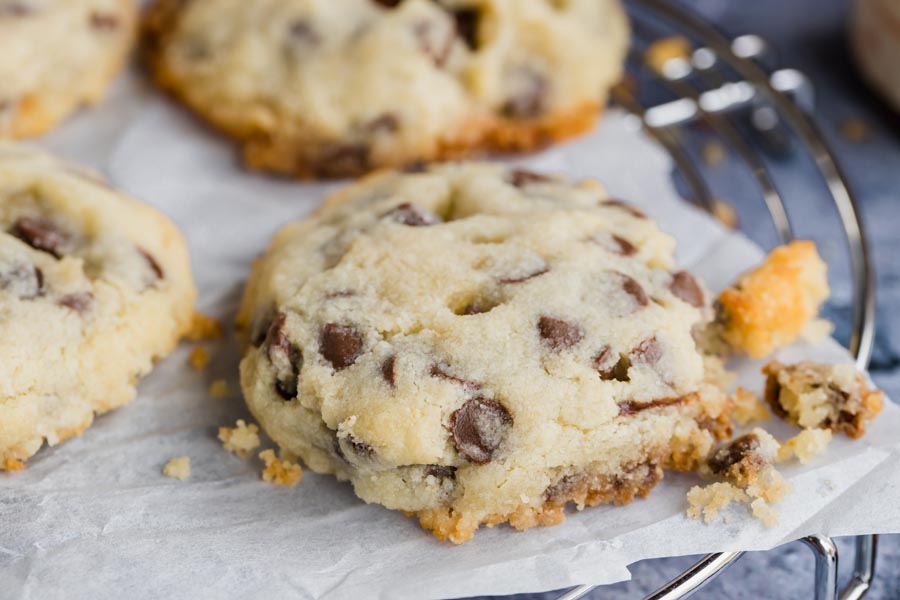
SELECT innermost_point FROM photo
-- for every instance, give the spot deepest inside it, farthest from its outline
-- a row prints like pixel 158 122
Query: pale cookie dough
pixel 57 55
pixel 475 345
pixel 329 88
pixel 94 286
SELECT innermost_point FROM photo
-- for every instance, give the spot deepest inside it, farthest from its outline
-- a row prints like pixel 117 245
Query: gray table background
pixel 811 35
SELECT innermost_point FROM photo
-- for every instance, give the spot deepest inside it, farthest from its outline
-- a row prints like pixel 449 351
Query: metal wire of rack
pixel 726 86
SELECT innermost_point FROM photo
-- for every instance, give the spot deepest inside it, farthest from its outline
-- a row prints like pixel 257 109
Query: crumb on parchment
pixel 746 407
pixel 178 468
pixel 708 500
pixel 805 445
pixel 242 439
pixel 280 472
pixel 219 389
pixel 199 358
pixel 204 328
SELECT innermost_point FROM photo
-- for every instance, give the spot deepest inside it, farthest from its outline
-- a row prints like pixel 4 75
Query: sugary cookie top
pixel 467 311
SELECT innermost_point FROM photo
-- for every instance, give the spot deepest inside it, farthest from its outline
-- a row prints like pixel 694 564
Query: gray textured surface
pixel 810 35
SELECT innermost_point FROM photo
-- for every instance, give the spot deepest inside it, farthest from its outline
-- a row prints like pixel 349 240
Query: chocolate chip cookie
pixel 475 345
pixel 56 55
pixel 94 286
pixel 330 88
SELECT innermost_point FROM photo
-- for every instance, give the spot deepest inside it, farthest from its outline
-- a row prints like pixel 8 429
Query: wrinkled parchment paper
pixel 94 517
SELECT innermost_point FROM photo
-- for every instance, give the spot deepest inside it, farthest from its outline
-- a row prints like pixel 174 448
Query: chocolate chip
pixel 521 177
pixel 417 166
pixel 340 345
pixel 614 243
pixel 441 371
pixel 530 98
pixel 301 32
pixel 360 448
pixel 79 302
pixel 467 26
pixel 648 352
pixel 388 3
pixel 626 207
pixel 15 9
pixel 344 159
pixel 413 216
pixel 24 281
pixel 387 370
pixel 440 471
pixel 478 428
pixel 629 408
pixel 386 123
pixel 563 489
pixel 435 41
pixel 41 234
pixel 104 21
pixel 685 287
pixel 626 248
pixel 609 367
pixel 729 455
pixel 559 334
pixel 476 307
pixel 153 264
pixel 634 289
pixel 259 327
pixel 532 275
pixel 286 358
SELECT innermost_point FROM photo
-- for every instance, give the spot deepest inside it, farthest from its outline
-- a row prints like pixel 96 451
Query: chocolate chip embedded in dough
pixel 41 234
pixel 302 34
pixel 625 207
pixel 104 21
pixel 386 123
pixel 559 334
pixel 340 345
pixel 685 287
pixel 519 279
pixel 286 358
pixel 441 371
pixel 467 26
pixel 344 159
pixel 79 302
pixel 531 97
pixel 388 370
pixel 634 289
pixel 522 177
pixel 611 367
pixel 440 471
pixel 478 428
pixel 734 452
pixel 153 264
pixel 24 281
pixel 412 216
pixel 648 352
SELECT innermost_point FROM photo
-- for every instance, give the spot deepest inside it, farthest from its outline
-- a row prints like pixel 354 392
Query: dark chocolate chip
pixel 153 264
pixel 648 352
pixel 685 287
pixel 530 99
pixel 521 177
pixel 440 371
pixel 286 358
pixel 259 327
pixel 388 370
pixel 344 159
pixel 301 32
pixel 532 275
pixel 626 207
pixel 729 455
pixel 388 3
pixel 478 428
pixel 413 216
pixel 340 345
pixel 79 302
pixel 15 9
pixel 558 333
pixel 613 243
pixel 563 489
pixel 467 26
pixel 609 370
pixel 629 408
pixel 440 471
pixel 386 123
pixel 634 289
pixel 26 281
pixel 626 248
pixel 360 448
pixel 104 21
pixel 41 234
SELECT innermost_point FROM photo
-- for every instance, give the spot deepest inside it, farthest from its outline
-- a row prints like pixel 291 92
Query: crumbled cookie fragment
pixel 242 439
pixel 219 389
pixel 178 468
pixel 815 395
pixel 13 464
pixel 746 407
pixel 770 306
pixel 708 500
pixel 280 472
pixel 204 328
pixel 764 511
pixel 199 358
pixel 743 459
pixel 805 445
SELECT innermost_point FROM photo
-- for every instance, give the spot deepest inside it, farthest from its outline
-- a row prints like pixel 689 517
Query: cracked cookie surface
pixel 56 55
pixel 330 88
pixel 94 286
pixel 477 345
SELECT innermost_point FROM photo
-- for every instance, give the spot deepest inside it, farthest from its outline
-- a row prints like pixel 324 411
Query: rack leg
pixel 826 566
pixel 864 567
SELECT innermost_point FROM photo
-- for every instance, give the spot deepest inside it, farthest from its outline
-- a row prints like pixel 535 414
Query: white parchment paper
pixel 94 517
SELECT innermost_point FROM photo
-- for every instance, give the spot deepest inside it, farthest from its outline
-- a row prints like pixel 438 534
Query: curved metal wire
pixel 863 318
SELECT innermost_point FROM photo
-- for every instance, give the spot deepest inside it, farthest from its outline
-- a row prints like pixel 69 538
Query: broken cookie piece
pixel 815 395
pixel 242 439
pixel 805 445
pixel 280 471
pixel 178 468
pixel 770 306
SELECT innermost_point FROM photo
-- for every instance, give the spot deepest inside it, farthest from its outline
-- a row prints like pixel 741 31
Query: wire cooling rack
pixel 693 87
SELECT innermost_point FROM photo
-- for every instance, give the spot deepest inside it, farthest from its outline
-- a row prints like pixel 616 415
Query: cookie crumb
pixel 763 511
pixel 746 407
pixel 199 358
pixel 242 439
pixel 219 389
pixel 13 464
pixel 708 500
pixel 805 445
pixel 280 472
pixel 662 53
pixel 178 468
pixel 204 328
pixel 856 130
